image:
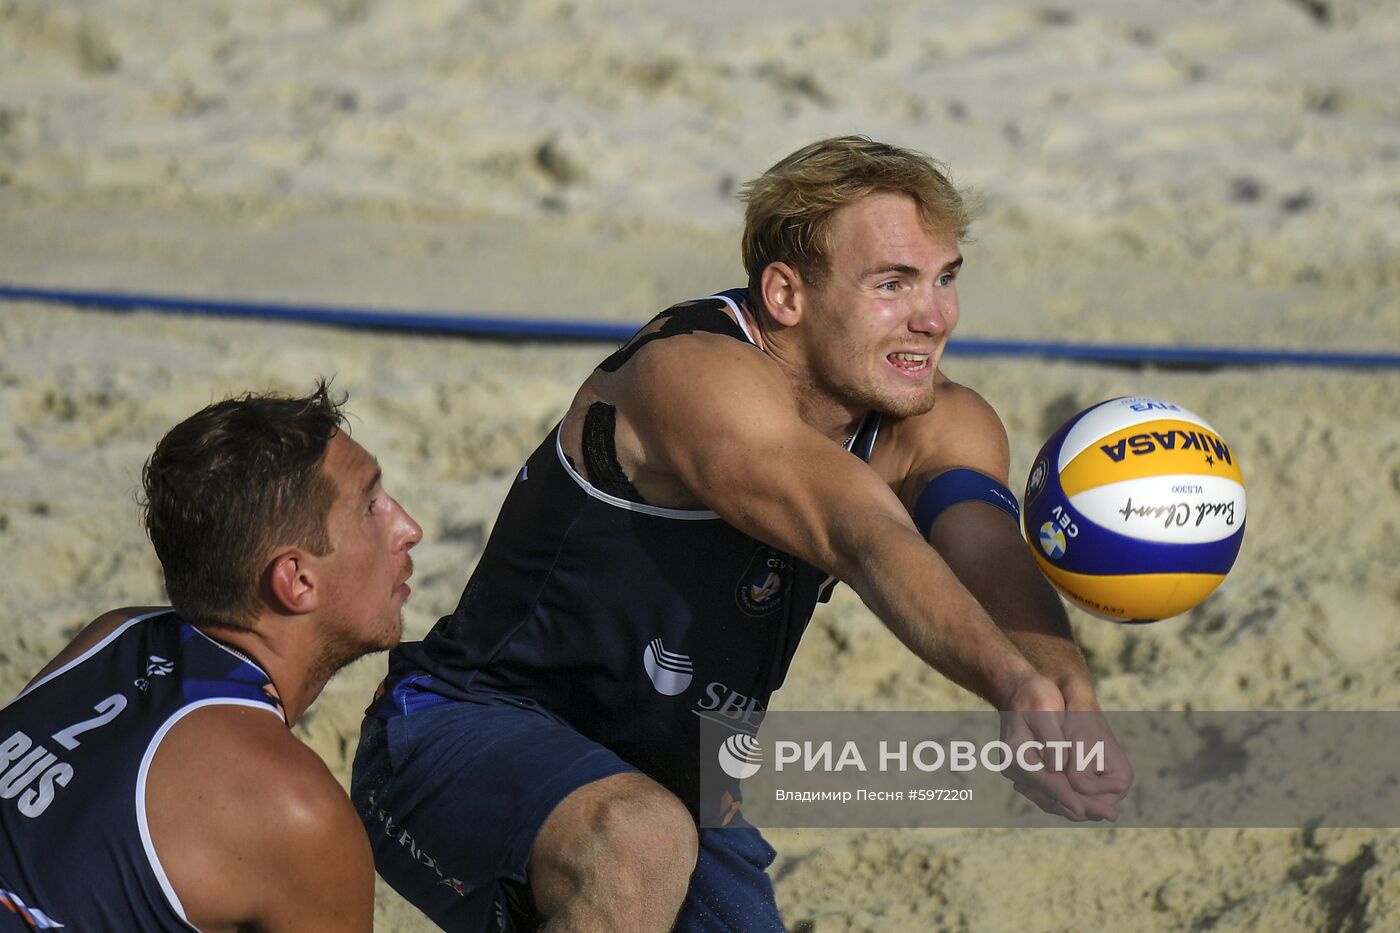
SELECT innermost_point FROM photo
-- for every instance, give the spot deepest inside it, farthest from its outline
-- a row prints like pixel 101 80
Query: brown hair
pixel 229 483
pixel 790 206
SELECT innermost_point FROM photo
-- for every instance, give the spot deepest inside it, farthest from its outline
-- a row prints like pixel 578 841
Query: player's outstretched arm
pixel 982 544
pixel 253 831
pixel 736 441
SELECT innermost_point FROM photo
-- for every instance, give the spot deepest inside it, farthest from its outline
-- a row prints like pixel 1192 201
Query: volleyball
pixel 1135 509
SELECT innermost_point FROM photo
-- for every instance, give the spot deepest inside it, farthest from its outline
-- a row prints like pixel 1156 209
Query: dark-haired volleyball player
pixel 148 776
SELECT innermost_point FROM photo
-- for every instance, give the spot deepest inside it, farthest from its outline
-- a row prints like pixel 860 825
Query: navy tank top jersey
pixel 627 621
pixel 75 748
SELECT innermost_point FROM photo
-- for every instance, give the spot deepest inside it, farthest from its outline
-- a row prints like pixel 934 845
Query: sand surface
pixel 1222 173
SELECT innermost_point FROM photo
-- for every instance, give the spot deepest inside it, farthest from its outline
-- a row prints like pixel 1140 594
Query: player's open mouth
pixel 913 364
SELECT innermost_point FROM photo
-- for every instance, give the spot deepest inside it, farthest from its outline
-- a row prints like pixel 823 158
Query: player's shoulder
pixel 708 368
pixel 962 429
pixel 708 326
pixel 250 823
pixel 294 811
pixel 256 741
pixel 960 416
pixel 102 626
pixel 713 345
pixel 250 761
pixel 93 633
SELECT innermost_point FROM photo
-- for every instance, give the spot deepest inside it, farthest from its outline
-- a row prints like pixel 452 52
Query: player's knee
pixel 618 837
pixel 650 834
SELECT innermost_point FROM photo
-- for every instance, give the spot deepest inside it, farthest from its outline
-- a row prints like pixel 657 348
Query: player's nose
pixel 409 531
pixel 932 316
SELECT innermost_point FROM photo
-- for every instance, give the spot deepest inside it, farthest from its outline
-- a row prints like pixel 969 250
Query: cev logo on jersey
pixel 670 671
pixel 760 590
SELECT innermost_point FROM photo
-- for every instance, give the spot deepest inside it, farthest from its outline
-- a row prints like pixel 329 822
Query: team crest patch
pixel 760 590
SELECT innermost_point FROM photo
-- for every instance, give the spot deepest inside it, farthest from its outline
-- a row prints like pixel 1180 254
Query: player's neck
pixel 821 410
pixel 832 417
pixel 752 325
pixel 287 663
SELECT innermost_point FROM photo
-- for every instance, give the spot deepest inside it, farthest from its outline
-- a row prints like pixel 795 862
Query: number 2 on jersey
pixel 107 710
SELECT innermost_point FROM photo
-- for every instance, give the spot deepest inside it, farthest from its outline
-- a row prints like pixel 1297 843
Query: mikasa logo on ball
pixel 1140 444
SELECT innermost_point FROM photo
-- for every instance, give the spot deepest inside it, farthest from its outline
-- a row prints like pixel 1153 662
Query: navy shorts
pixel 453 796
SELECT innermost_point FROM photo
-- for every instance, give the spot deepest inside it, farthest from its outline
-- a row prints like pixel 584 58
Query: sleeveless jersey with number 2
pixel 75 750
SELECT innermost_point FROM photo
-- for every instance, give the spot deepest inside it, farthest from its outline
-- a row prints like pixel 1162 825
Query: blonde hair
pixel 790 206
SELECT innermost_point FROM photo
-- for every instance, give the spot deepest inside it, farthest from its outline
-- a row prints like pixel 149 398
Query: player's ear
pixel 782 289
pixel 290 581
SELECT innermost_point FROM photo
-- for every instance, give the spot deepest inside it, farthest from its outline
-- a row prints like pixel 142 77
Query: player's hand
pixel 1051 777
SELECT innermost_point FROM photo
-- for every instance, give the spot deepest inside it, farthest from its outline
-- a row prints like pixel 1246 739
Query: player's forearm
pixel 913 591
pixel 1025 607
pixel 1033 617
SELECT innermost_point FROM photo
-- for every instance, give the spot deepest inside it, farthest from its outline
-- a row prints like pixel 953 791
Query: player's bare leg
pixel 616 854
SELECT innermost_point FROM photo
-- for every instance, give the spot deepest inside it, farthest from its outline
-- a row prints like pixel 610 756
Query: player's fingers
pixel 1077 809
pixel 1105 767
pixel 1049 802
pixel 1091 783
pixel 1101 807
pixel 1015 731
pixel 1049 732
pixel 1052 787
pixel 1040 798
pixel 1107 805
pixel 1072 803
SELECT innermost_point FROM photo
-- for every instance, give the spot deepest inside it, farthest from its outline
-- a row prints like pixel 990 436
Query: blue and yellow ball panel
pixel 1133 597
pixel 1135 509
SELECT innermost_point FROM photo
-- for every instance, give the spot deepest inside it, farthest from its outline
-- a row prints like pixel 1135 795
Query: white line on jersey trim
pixel 685 515
pixel 738 316
pixel 171 897
pixel 106 640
